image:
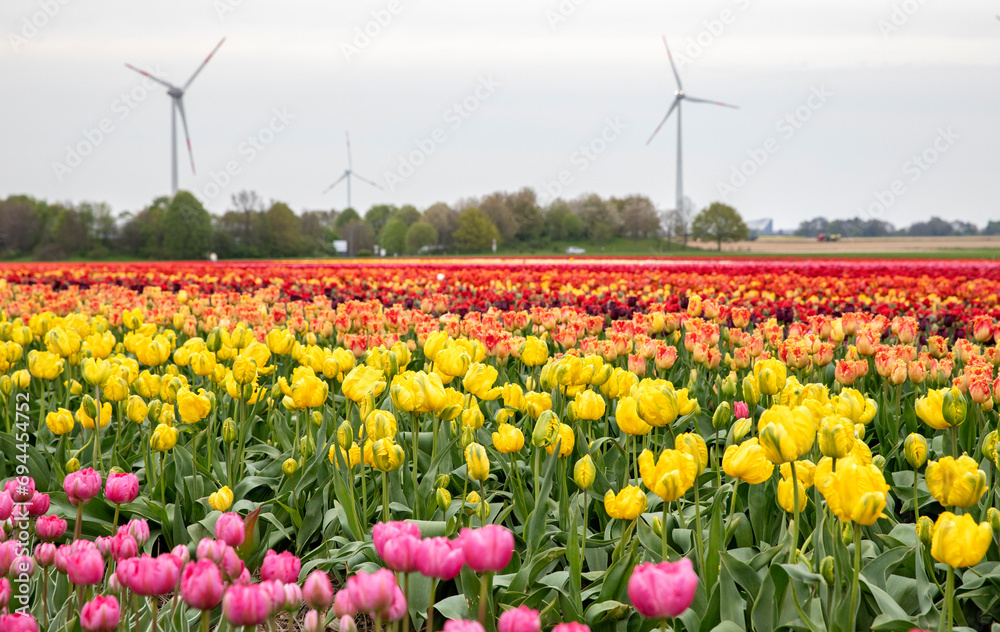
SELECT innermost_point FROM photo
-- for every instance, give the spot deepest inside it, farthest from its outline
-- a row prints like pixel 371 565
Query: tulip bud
pixel 467 437
pixel 483 511
pixel 723 415
pixel 879 461
pixel 72 465
pixel 692 379
pixel 955 407
pixel 289 467
pixel 442 480
pixel 154 408
pixel 915 450
pixel 471 501
pixel 477 462
pixel 826 569
pixel 584 472
pixel 214 340
pixel 925 530
pixel 848 533
pixel 136 409
pixel 317 418
pixel 443 498
pixel 751 391
pixel 307 446
pixel 740 429
pixel 990 445
pixel 229 430
pixel 90 406
pixel 993 517
pixel 546 429
pixel 657 526
pixel 6 384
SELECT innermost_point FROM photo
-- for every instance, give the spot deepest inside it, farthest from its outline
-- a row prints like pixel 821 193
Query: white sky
pixel 890 95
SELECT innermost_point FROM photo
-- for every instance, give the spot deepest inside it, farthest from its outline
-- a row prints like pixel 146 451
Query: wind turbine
pixel 349 173
pixel 679 96
pixel 177 105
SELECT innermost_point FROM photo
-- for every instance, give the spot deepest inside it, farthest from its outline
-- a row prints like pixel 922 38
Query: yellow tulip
pixel 88 422
pixel 669 476
pixel 363 381
pixel 244 369
pixel 588 405
pixel 628 419
pixel 380 424
pixel 619 384
pixel 472 416
pixel 955 482
pixel 508 439
pixel 60 421
pixel 836 436
pixel 115 389
pixel 62 341
pixel 147 385
pixel 855 492
pixel 915 450
pixel 203 363
pixel 628 504
pixel 786 433
pixel 537 403
pixel 452 404
pixel 751 391
pixel 805 471
pixel 351 458
pixel 786 496
pixel 95 372
pixel 929 409
pixel 566 441
pixel 477 462
pixel 222 499
pixel 513 396
pixel 280 341
pixel 44 365
pixel 546 430
pixel 694 445
pixel 747 462
pixel 309 392
pixel 193 408
pixel 958 541
pixel 584 472
pixel 479 380
pixel 534 352
pixel 452 361
pixel 771 375
pixel 164 438
pixel 656 405
pixel 386 455
pixel 136 409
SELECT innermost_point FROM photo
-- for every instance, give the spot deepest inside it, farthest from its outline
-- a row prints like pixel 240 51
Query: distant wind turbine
pixel 679 96
pixel 177 105
pixel 349 173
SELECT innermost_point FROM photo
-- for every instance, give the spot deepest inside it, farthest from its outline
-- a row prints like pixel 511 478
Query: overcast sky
pixel 836 101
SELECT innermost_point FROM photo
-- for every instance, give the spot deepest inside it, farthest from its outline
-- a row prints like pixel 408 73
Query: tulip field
pixel 500 446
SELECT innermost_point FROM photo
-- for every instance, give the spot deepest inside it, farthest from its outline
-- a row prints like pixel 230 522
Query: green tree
pixel 281 233
pixel 187 228
pixel 393 237
pixel 347 216
pixel 419 235
pixel 408 214
pixel 444 219
pixel 378 215
pixel 475 231
pixel 572 226
pixel 719 222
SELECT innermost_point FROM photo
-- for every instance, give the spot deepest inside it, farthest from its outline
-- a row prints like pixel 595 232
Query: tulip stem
pixel 206 620
pixel 732 505
pixel 950 597
pixel 45 594
pixel 154 611
pixel 114 523
pixel 385 497
pixel 698 543
pixel 406 592
pixel 857 572
pixel 916 507
pixel 795 519
pixel 78 527
pixel 430 607
pixel 586 507
pixel 163 482
pixel 414 429
pixel 517 476
pixel 663 533
pixel 483 595
pixel 954 441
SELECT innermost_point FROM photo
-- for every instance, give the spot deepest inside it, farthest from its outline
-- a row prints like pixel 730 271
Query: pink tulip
pixel 397 610
pixel 275 594
pixel 23 565
pixel 123 546
pixel 201 585
pixel 45 554
pixel 246 605
pixel 229 528
pixel 664 590
pixel 4 592
pixel 121 488
pixel 318 591
pixel 138 529
pixel 39 504
pixel 18 623
pixel 101 614
pixel 21 488
pixel 458 625
pixel 741 410
pixel 385 531
pixel 282 566
pixel 148 576
pixel 372 593
pixel 50 528
pixel 293 598
pixel 64 552
pixel 82 485
pixel 522 619
pixel 571 626
pixel 103 544
pixel 9 551
pixel 232 566
pixel 6 506
pixel 440 558
pixel 488 549
pixel 401 552
pixel 182 553
pixel 211 549
pixel 347 624
pixel 244 579
pixel 342 604
pixel 312 623
pixel 85 567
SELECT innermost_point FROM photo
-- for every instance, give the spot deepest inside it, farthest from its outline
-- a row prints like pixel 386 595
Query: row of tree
pixel 181 228
pixel 858 227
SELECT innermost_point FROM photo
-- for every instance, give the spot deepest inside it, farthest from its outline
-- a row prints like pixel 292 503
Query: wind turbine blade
pixel 663 122
pixel 672 65
pixel 146 74
pixel 725 105
pixel 207 59
pixel 350 162
pixel 339 180
pixel 366 180
pixel 179 102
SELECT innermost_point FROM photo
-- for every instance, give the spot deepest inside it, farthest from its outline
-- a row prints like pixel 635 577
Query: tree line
pixel 858 227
